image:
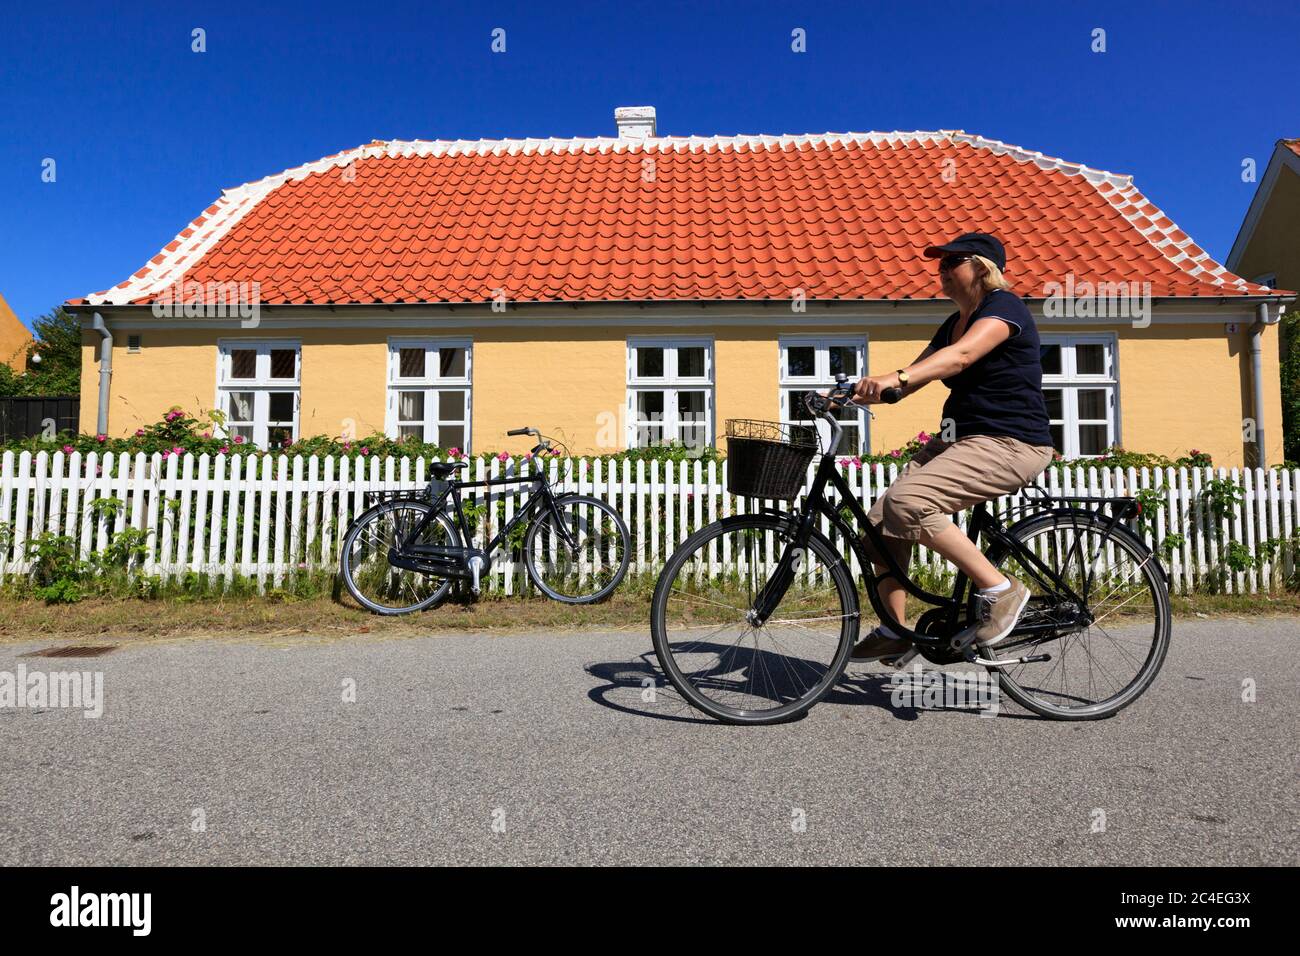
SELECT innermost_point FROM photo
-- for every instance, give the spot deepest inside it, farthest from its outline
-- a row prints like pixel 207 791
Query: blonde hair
pixel 991 278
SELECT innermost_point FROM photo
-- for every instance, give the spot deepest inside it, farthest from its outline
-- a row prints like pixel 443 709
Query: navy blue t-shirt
pixel 1002 393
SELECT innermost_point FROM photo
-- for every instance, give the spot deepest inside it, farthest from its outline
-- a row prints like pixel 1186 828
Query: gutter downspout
pixel 105 370
pixel 1257 378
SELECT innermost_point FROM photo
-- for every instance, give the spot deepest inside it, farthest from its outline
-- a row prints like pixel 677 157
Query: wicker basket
pixel 767 459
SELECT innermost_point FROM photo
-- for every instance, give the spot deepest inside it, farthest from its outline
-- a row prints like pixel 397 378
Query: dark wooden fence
pixel 22 416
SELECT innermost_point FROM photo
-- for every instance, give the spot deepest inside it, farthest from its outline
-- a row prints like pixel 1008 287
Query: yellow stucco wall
pixel 1181 387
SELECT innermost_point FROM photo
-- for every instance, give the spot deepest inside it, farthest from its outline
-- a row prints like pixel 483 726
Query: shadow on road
pixel 639 686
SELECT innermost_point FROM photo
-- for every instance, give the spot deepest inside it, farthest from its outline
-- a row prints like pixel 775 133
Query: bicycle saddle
pixel 441 469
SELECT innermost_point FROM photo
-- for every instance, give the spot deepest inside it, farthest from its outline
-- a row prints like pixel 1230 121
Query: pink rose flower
pixel 101 438
pixel 503 457
pixel 139 433
pixel 224 449
pixel 365 449
pixel 67 449
pixel 239 439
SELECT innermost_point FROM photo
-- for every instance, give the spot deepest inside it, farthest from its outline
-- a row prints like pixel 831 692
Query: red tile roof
pixel 1293 145
pixel 839 216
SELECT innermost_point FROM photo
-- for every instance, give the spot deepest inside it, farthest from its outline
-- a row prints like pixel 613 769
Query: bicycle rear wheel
pixel 1099 667
pixel 374 583
pixel 711 651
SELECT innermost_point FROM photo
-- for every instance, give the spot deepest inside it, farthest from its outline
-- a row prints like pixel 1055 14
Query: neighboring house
pixel 618 291
pixel 1267 249
pixel 15 339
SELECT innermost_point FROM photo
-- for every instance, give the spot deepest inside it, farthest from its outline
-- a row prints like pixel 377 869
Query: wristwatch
pixel 902 377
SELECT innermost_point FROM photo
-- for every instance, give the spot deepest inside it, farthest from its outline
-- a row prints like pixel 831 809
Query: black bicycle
pixel 754 616
pixel 404 553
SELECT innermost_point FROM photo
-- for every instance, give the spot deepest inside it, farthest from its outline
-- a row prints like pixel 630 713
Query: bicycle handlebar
pixel 521 431
pixel 841 394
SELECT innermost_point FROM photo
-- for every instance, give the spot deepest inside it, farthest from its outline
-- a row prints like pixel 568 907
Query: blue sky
pixel 146 133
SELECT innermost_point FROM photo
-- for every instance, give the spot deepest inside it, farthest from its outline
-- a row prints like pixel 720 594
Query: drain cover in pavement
pixel 73 650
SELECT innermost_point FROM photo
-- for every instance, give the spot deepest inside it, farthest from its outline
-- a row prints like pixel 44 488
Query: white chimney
pixel 635 122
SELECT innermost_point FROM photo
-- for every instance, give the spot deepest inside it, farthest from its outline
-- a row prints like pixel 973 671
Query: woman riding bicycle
pixel 995 440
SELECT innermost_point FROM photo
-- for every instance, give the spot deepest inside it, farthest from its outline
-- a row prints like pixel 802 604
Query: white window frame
pixel 820 379
pixel 261 385
pixel 670 383
pixel 432 383
pixel 1070 381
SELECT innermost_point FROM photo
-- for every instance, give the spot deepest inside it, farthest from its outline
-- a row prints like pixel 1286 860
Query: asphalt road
pixel 539 748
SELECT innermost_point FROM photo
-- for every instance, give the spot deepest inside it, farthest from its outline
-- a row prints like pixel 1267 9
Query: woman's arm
pixel 983 336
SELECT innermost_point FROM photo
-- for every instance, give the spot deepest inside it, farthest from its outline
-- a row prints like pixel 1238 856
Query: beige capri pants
pixel 946 477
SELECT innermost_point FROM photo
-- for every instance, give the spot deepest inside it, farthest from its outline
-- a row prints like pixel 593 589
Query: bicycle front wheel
pixel 711 651
pixel 591 568
pixel 1102 656
pixel 374 583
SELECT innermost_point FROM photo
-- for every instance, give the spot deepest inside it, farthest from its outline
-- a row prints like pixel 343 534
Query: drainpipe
pixel 1257 378
pixel 105 370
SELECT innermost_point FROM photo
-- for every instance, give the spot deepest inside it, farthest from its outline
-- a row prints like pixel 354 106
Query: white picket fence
pixel 272 517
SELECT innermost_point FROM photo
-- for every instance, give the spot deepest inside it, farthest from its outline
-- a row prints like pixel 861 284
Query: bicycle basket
pixel 768 459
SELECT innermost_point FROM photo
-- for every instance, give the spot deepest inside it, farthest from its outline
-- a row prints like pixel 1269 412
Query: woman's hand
pixel 869 388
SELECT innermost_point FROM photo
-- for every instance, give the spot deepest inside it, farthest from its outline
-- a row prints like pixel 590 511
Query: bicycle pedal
pixel 903 659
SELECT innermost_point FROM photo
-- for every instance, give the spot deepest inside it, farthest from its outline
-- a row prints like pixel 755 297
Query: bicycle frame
pixel 456 561
pixel 817 504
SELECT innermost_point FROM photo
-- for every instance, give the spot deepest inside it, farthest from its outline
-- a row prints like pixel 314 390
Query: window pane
pixel 451 406
pixel 410 363
pixel 241 406
pixel 690 406
pixel 411 431
pixel 1090 359
pixel 1055 399
pixel 1058 438
pixel 283 362
pixel 243 363
pixel 281 407
pixel 1092 439
pixel 1050 356
pixel 692 436
pixel 797 409
pixel 690 362
pixel 410 406
pixel 647 435
pixel 451 436
pixel 244 431
pixel 451 363
pixel 278 435
pixel 1092 404
pixel 650 362
pixel 850 443
pixel 800 361
pixel 844 358
pixel 650 405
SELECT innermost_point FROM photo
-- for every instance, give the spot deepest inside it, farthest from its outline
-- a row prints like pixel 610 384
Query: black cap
pixel 975 243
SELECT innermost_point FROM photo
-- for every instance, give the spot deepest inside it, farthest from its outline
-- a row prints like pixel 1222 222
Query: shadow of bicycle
pixel 639 686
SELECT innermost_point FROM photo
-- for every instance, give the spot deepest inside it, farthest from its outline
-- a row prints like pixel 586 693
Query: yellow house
pixel 622 290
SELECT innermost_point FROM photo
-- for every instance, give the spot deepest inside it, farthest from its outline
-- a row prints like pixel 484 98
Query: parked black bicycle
pixel 754 616
pixel 404 553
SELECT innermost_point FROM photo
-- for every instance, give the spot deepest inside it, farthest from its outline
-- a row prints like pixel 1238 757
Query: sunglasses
pixel 950 262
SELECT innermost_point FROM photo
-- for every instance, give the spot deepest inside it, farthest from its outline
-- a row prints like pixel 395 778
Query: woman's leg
pixel 952 544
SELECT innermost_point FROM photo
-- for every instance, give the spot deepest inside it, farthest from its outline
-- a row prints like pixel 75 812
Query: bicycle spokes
pixel 711 632
pixel 1102 651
